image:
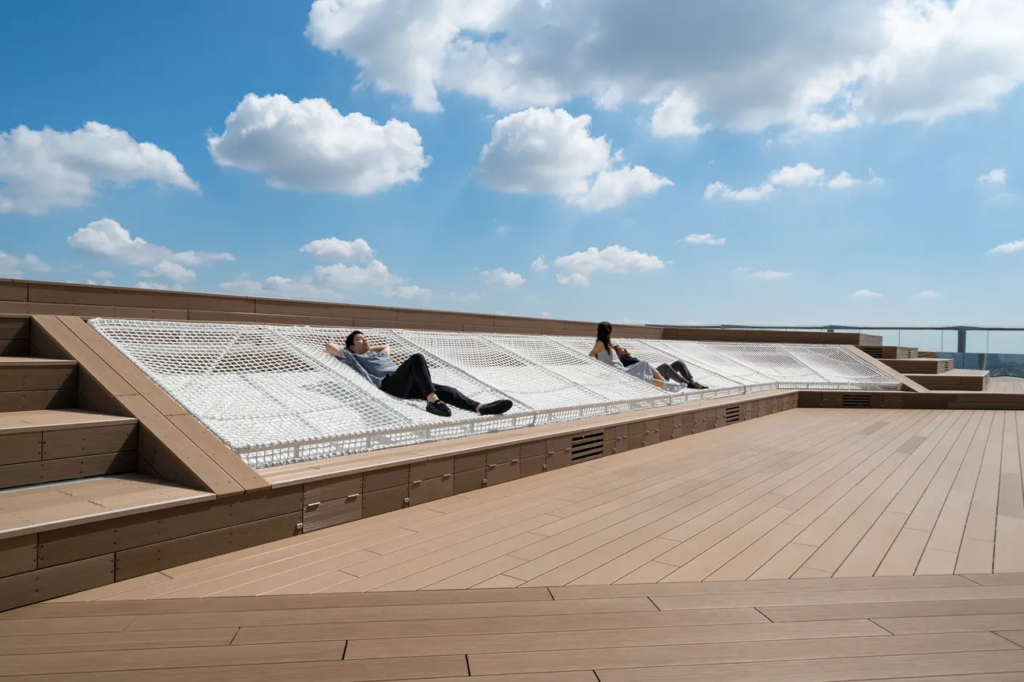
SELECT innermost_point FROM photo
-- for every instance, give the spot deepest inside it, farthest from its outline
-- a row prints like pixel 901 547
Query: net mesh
pixel 274 394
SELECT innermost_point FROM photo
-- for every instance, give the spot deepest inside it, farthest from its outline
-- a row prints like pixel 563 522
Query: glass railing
pixel 1001 351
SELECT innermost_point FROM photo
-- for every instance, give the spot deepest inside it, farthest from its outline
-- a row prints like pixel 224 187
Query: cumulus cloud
pixel 16 266
pixel 280 287
pixel 615 258
pixel 705 239
pixel 414 293
pixel 996 176
pixel 309 146
pixel 770 275
pixel 815 67
pixel 539 264
pixel 865 293
pixel 800 175
pixel 676 116
pixel 843 181
pixel 1009 247
pixel 339 250
pixel 159 286
pixel 341 276
pixel 573 279
pixel 45 169
pixel 105 238
pixel 927 294
pixel 544 151
pixel 170 270
pixel 504 278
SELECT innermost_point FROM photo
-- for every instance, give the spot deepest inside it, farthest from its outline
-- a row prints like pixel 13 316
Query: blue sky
pixel 441 214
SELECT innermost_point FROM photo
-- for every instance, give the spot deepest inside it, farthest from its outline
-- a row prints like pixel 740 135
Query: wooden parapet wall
pixel 22 297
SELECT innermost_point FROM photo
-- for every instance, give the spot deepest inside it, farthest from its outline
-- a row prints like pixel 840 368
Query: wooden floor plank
pixel 704 654
pixel 497 625
pixel 860 669
pixel 608 639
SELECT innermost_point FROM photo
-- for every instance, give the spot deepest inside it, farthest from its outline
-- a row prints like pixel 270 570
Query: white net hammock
pixel 274 395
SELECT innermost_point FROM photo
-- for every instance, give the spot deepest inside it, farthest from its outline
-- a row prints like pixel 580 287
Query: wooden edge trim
pixel 425 452
pixel 908 384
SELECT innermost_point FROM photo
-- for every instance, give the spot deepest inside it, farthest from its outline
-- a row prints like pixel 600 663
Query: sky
pixel 780 162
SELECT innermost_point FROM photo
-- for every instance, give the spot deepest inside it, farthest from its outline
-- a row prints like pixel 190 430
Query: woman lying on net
pixel 411 379
pixel 608 351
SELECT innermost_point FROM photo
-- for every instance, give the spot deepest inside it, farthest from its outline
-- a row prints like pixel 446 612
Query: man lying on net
pixel 410 380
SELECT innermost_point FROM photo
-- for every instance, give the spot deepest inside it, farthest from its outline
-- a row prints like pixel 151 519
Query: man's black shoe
pixel 439 408
pixel 497 407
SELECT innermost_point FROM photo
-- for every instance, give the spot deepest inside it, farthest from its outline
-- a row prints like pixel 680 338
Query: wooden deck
pixel 1005 385
pixel 804 494
pixel 813 545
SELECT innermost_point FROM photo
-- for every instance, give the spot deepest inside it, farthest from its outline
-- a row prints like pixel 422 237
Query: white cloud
pixel 539 264
pixel 800 175
pixel 720 189
pixel 16 266
pixel 1009 247
pixel 44 169
pixel 103 274
pixel 504 278
pixel 341 276
pixel 865 293
pixel 310 147
pixel 106 238
pixel 927 294
pixel 545 314
pixel 707 239
pixel 770 275
pixel 159 286
pixel 339 250
pixel 501 229
pixel 610 259
pixel 996 176
pixel 813 67
pixel 843 181
pixel 740 270
pixel 675 116
pixel 540 151
pixel 414 293
pixel 573 279
pixel 280 287
pixel 170 270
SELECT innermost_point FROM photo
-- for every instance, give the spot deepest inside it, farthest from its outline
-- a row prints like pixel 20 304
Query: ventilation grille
pixel 875 352
pixel 587 445
pixel 852 400
pixel 732 414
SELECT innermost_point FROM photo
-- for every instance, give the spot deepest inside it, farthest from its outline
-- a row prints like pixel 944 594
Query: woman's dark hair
pixel 350 339
pixel 604 335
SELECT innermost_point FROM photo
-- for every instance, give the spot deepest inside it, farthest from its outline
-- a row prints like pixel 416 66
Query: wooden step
pixel 954 380
pixel 920 365
pixel 15 335
pixel 890 352
pixel 37 384
pixel 43 446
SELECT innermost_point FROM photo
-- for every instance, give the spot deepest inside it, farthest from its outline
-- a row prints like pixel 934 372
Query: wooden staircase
pixel 44 437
